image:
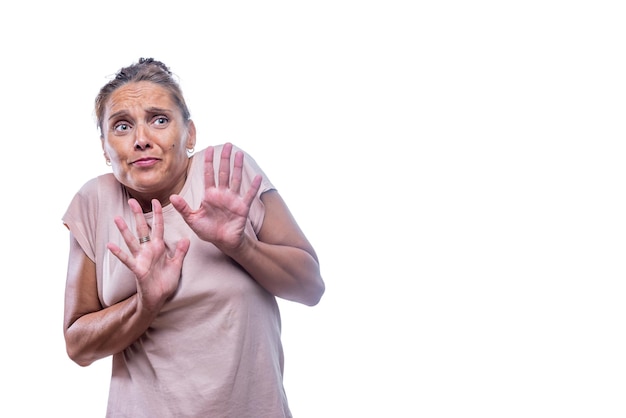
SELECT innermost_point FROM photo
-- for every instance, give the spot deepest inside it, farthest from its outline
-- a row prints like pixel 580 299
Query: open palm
pixel 222 215
pixel 157 272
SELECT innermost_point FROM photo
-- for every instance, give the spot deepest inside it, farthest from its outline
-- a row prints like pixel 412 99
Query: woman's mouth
pixel 145 162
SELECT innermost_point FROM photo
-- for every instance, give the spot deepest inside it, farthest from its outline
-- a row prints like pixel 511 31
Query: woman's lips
pixel 145 162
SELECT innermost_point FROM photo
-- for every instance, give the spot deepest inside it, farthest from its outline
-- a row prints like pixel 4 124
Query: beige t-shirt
pixel 214 350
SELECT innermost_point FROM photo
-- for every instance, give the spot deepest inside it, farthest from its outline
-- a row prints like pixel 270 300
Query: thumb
pixel 181 206
pixel 182 247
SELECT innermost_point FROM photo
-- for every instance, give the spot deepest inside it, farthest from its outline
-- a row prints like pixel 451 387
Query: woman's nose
pixel 142 139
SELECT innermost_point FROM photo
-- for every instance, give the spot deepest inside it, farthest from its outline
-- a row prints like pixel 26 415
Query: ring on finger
pixel 144 239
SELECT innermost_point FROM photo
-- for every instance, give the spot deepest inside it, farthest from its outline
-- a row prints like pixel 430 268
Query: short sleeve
pixel 80 217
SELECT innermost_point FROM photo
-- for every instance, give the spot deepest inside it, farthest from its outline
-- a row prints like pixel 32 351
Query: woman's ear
pixel 106 156
pixel 191 135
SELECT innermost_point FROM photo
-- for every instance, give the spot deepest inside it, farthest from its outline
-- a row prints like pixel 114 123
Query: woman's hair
pixel 146 69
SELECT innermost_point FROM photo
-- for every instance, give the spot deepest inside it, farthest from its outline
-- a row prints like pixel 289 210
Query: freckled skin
pixel 146 139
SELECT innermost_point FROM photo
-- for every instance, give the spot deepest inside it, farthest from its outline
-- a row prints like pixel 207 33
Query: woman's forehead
pixel 142 93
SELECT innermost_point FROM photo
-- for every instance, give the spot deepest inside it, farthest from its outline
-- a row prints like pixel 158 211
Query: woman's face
pixel 146 139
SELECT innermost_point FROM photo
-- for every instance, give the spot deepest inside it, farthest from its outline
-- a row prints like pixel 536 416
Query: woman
pixel 176 261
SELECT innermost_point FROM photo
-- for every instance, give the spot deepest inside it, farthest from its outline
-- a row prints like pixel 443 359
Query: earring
pixel 108 162
pixel 190 150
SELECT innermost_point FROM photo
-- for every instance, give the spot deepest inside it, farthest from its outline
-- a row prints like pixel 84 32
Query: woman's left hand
pixel 222 215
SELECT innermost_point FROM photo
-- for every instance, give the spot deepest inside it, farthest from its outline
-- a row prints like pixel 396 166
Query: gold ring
pixel 144 239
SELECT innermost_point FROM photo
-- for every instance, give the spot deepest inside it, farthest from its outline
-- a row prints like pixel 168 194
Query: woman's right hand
pixel 157 273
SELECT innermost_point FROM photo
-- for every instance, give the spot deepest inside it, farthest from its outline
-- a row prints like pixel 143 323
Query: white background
pixel 458 166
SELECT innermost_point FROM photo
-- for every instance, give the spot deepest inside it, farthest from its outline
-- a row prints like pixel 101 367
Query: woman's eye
pixel 121 127
pixel 161 120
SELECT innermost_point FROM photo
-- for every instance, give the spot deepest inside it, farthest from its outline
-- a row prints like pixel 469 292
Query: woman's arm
pixel 281 260
pixel 91 332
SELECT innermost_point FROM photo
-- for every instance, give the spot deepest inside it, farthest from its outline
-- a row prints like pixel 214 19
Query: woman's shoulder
pixel 102 183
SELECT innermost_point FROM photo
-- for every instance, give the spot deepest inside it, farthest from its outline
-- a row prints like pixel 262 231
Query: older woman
pixel 176 260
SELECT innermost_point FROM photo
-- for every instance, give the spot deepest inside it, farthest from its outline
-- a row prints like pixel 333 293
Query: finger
pixel 182 247
pixel 157 220
pixel 121 255
pixel 253 190
pixel 181 206
pixel 209 169
pixel 224 172
pixel 143 230
pixel 235 182
pixel 129 237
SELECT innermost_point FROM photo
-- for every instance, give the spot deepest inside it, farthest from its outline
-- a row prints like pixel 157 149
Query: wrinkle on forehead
pixel 143 94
